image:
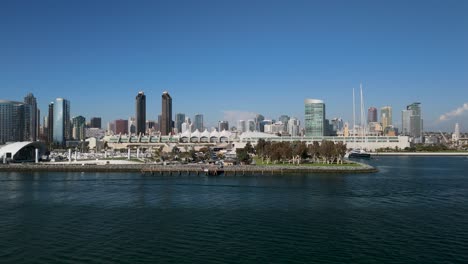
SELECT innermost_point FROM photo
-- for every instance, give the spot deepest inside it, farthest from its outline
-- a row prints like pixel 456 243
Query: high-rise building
pixel 258 121
pixel 251 125
pixel 315 125
pixel 50 124
pixel 62 125
pixel 14 117
pixel 131 126
pixel 241 126
pixel 405 122
pixel 198 122
pixel 284 119
pixel 293 127
pixel 140 113
pixel 337 124
pixel 121 127
pixel 95 122
pixel 223 125
pixel 111 128
pixel 166 114
pixel 416 122
pixel 187 125
pixel 371 115
pixel 386 116
pixel 32 127
pixel 79 124
pixel 456 133
pixel 179 120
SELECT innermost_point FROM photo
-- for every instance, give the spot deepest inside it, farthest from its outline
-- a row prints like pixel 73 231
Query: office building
pixel 121 127
pixel 166 114
pixel 140 114
pixel 187 125
pixel 241 126
pixel 32 127
pixel 50 124
pixel 386 116
pixel 258 121
pixel 14 120
pixel 132 126
pixel 179 120
pixel 284 119
pixel 371 115
pixel 223 125
pixel 95 122
pixel 62 125
pixel 315 125
pixel 79 124
pixel 405 122
pixel 198 123
pixel 415 120
pixel 251 125
pixel 293 127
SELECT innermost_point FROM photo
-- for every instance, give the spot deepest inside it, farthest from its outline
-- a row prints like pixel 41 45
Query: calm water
pixel 415 210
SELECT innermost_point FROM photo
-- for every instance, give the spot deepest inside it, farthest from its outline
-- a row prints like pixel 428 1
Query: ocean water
pixel 414 210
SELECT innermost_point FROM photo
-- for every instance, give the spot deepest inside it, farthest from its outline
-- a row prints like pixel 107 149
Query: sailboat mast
pixel 354 116
pixel 362 112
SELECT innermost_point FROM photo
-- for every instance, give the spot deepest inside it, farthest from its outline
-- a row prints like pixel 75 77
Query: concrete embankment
pixel 185 169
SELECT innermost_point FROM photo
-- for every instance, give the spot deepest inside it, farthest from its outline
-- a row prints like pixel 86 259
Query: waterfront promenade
pixel 445 154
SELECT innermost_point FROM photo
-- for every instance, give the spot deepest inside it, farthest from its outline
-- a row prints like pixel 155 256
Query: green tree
pixel 243 156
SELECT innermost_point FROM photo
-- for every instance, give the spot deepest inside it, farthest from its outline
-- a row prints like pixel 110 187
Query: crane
pixel 446 141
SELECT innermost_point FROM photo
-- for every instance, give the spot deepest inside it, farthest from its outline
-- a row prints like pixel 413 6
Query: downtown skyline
pixel 229 60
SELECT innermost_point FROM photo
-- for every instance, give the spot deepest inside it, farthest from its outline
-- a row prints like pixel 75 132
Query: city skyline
pixel 228 59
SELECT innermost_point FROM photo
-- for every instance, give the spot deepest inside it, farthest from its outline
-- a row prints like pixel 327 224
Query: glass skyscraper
pixel 314 118
pixel 140 113
pixel 62 126
pixel 198 122
pixel 166 114
pixel 14 120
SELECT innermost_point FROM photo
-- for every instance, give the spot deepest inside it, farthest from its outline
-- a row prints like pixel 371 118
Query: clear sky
pixel 228 58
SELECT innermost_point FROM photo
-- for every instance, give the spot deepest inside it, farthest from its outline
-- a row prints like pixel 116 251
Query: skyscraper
pixel 293 127
pixel 179 119
pixel 223 125
pixel 62 126
pixel 96 122
pixel 258 121
pixel 14 117
pixel 314 118
pixel 131 126
pixel 166 114
pixel 386 116
pixel 241 126
pixel 405 122
pixel 79 123
pixel 50 124
pixel 198 122
pixel 140 113
pixel 32 127
pixel 416 122
pixel 371 115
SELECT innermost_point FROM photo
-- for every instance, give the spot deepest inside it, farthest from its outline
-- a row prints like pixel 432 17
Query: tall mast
pixel 354 117
pixel 362 112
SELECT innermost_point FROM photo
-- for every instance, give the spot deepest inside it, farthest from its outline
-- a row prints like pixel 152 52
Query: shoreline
pixel 152 169
pixel 446 154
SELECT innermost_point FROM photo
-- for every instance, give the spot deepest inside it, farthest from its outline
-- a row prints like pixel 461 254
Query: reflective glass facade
pixel 314 118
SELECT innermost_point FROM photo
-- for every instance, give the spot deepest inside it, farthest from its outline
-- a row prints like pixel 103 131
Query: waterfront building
pixel 371 115
pixel 259 122
pixel 293 127
pixel 32 127
pixel 315 125
pixel 179 120
pixel 456 133
pixel 140 113
pixel 95 122
pixel 121 127
pixel 198 122
pixel 50 124
pixel 386 116
pixel 223 125
pixel 241 126
pixel 165 124
pixel 132 126
pixel 79 124
pixel 405 122
pixel 62 125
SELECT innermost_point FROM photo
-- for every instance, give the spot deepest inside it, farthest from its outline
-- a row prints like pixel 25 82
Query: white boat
pixel 358 152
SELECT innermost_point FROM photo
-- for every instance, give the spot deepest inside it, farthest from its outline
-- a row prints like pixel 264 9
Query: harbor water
pixel 414 210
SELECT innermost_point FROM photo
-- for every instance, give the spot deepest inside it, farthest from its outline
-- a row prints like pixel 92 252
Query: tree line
pixel 295 152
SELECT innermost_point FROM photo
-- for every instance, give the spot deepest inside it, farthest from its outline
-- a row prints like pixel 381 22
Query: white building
pixel 293 127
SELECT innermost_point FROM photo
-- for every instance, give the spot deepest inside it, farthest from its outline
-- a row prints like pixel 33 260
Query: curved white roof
pixel 196 134
pixel 225 133
pixel 185 134
pixel 214 134
pixel 205 133
pixel 13 148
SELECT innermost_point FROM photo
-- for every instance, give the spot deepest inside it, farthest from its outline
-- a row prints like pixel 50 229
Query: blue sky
pixel 225 57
